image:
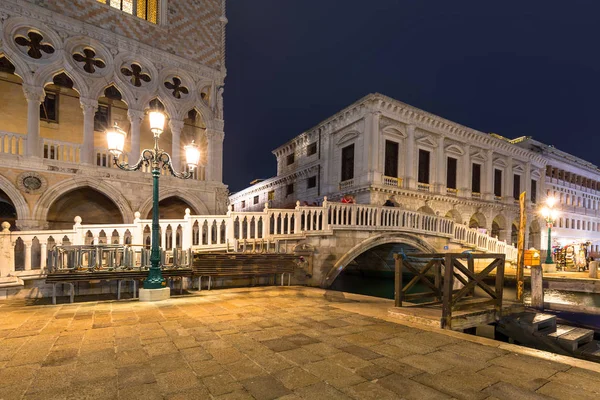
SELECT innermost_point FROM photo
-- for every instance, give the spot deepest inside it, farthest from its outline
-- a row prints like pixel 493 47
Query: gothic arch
pixel 371 242
pixel 197 204
pixel 21 69
pixel 426 210
pixel 46 74
pixel 97 90
pixel 16 197
pixel 44 203
pixel 478 220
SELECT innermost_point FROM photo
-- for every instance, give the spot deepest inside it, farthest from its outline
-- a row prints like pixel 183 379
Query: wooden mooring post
pixel 521 247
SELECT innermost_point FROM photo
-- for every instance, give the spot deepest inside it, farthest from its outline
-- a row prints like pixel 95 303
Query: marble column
pixel 465 173
pixel 488 180
pixel 440 167
pixel 176 129
pixel 509 181
pixel 373 144
pixel 27 255
pixel 35 96
pixel 44 255
pixel 135 119
pixel 409 177
pixel 528 184
pixel 89 107
pixel 215 155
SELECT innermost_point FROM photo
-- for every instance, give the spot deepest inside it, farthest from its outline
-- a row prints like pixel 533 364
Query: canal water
pixel 382 285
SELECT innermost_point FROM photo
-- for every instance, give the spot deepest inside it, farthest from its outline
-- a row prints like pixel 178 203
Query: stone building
pixel 379 147
pixel 70 69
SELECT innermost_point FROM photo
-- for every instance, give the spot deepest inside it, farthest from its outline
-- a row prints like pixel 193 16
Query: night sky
pixel 510 67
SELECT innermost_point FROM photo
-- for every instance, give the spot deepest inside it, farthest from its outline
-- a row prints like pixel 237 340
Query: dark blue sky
pixel 510 67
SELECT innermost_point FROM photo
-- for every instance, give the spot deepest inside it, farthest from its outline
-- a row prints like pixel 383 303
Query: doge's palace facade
pixel 70 69
pixel 379 147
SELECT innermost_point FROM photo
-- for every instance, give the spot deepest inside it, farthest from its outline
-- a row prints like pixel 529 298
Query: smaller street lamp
pixel 550 214
pixel 158 159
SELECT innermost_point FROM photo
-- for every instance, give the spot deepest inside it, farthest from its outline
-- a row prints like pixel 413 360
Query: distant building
pixel 379 147
pixel 70 69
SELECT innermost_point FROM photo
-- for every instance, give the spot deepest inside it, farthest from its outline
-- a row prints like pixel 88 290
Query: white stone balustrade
pixel 61 151
pixel 12 143
pixel 222 232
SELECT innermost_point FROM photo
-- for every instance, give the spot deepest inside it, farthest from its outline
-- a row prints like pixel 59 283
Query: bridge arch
pixel 370 243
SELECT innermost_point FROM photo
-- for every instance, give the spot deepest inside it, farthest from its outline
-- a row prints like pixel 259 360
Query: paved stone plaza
pixel 263 343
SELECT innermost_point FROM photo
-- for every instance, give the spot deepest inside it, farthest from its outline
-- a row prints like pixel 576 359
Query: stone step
pixel 591 350
pixel 575 338
pixel 559 331
pixel 535 322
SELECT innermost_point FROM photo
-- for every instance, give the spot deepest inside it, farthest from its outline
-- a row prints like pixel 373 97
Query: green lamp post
pixel 550 214
pixel 158 159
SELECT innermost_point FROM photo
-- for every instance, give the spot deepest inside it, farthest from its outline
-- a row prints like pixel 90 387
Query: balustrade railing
pixel 347 184
pixel 425 187
pixel 61 151
pixel 12 143
pixel 392 181
pixel 28 250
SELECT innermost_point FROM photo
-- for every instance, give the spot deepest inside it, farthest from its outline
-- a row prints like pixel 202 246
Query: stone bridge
pixel 327 238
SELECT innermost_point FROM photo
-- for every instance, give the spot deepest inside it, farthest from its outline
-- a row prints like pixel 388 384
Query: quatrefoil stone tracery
pixel 136 75
pixel 34 41
pixel 89 60
pixel 177 87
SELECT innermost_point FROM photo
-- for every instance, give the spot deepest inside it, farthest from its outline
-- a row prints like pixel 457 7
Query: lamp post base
pixel 155 294
pixel 549 267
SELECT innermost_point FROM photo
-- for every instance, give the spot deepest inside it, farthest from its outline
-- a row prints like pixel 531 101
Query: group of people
pixel 390 202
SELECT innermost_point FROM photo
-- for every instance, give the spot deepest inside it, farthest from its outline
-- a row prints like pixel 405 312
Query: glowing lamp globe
pixel 115 137
pixel 192 155
pixel 157 122
pixel 545 212
pixel 550 201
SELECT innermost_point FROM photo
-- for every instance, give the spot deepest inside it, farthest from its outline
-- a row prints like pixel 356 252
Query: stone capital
pixel 88 105
pixel 135 116
pixel 176 125
pixel 34 93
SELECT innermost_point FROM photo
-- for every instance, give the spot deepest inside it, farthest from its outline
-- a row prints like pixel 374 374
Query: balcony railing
pixel 12 143
pixel 391 181
pixel 425 187
pixel 476 195
pixel 451 191
pixel 346 184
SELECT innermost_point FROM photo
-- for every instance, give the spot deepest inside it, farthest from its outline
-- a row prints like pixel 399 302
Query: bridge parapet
pixel 27 250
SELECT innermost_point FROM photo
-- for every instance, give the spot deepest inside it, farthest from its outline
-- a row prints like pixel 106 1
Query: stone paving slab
pixel 263 343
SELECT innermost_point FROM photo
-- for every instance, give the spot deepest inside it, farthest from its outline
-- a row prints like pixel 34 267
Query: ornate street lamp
pixel 158 159
pixel 550 214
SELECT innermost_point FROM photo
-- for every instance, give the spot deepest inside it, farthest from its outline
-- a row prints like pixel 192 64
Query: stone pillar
pixel 176 129
pixel 27 255
pixel 214 171
pixel 135 119
pixel 7 251
pixel 44 255
pixel 465 174
pixel 410 178
pixel 35 96
pixel 89 107
pixel 440 167
pixel 488 180
pixel 373 143
pixel 509 181
pixel 528 184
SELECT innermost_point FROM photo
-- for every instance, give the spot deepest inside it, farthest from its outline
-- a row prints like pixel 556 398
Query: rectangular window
pixel 311 182
pixel 476 179
pixel 391 159
pixel 102 118
pixel 516 187
pixel 498 183
pixel 451 169
pixel 243 203
pixel 271 195
pixel 49 108
pixel 290 159
pixel 533 191
pixel 311 149
pixel 255 199
pixel 289 189
pixel 348 163
pixel 424 166
pixel 145 9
